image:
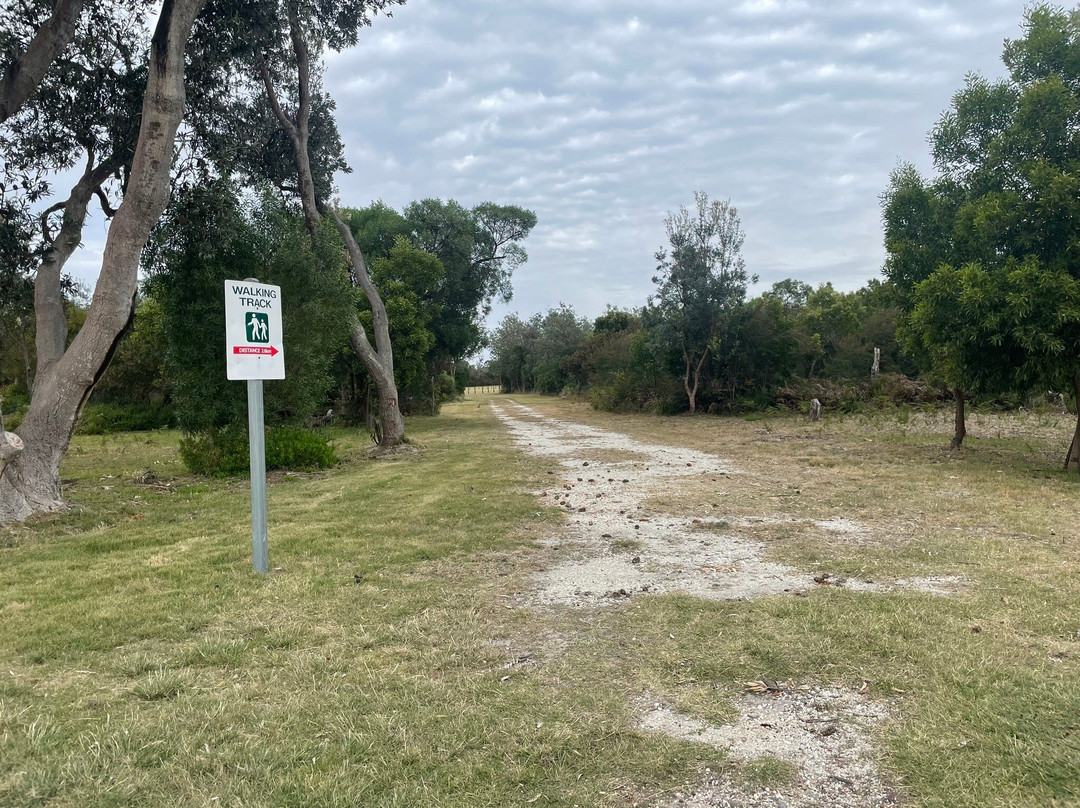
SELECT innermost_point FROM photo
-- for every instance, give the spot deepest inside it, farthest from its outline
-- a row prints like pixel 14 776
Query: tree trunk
pixel 959 426
pixel 690 391
pixel 392 423
pixel 695 371
pixel 30 481
pixel 377 359
pixel 1072 459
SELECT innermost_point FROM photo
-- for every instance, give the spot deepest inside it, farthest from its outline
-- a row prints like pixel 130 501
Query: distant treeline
pixel 780 349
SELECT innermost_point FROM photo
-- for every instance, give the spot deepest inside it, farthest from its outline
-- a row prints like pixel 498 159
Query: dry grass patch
pixel 985 680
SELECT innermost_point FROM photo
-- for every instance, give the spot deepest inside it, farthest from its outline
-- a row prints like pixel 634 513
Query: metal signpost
pixel 253 352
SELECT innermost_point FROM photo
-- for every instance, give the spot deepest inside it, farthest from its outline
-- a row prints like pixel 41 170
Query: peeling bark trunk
pixel 30 482
pixel 378 360
pixel 25 72
pixel 959 422
pixel 1072 458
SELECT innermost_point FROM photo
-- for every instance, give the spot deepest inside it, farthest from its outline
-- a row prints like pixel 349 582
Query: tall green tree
pixel 138 143
pixel 288 43
pixel 1008 201
pixel 480 248
pixel 701 281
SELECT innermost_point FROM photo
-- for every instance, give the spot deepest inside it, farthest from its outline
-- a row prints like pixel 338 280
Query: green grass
pixel 144 664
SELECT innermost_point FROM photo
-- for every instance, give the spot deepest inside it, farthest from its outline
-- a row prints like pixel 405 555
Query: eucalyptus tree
pixel 285 38
pixel 701 282
pixel 107 71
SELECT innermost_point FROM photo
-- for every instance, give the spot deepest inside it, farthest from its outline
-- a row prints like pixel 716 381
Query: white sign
pixel 253 344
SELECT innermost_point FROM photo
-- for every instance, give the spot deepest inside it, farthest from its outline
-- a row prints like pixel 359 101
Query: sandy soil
pixel 614 548
pixel 823 732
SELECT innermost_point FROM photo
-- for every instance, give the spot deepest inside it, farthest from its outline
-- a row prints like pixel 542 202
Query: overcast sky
pixel 602 115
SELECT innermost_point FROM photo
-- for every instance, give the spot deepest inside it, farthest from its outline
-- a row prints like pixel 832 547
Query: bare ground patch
pixel 619 544
pixel 823 733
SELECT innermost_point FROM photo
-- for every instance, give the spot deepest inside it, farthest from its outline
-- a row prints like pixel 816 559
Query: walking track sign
pixel 253 343
pixel 253 352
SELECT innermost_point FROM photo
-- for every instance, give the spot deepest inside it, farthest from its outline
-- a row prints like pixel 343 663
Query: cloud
pixel 601 115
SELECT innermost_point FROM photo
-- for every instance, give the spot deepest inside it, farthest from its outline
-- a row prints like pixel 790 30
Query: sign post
pixel 253 352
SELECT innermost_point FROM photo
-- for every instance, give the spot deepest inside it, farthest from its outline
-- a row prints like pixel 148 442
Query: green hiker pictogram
pixel 258 327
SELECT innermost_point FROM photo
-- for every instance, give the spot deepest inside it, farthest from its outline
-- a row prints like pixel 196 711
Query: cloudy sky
pixel 602 115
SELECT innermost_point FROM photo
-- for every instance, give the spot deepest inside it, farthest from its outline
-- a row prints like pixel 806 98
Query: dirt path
pixel 615 549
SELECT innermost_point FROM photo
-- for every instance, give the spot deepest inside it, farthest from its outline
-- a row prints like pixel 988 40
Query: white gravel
pixel 618 550
pixel 823 732
pixel 614 549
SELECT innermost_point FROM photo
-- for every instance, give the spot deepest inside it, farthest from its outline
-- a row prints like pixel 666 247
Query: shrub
pixel 461 377
pixel 889 389
pixel 15 401
pixel 103 419
pixel 224 452
pixel 298 450
pixel 13 419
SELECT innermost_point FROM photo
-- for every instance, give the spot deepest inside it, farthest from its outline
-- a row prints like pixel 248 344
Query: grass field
pixel 388 660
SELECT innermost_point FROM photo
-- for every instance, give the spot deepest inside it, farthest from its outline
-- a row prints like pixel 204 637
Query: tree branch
pixel 303 61
pixel 25 72
pixel 46 234
pixel 275 105
pixel 106 208
pixel 52 328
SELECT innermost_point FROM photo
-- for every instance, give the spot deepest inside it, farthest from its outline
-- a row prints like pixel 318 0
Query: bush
pixel 12 420
pixel 103 419
pixel 889 389
pixel 298 450
pixel 224 452
pixel 15 401
pixel 461 378
pixel 624 393
pixel 445 387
